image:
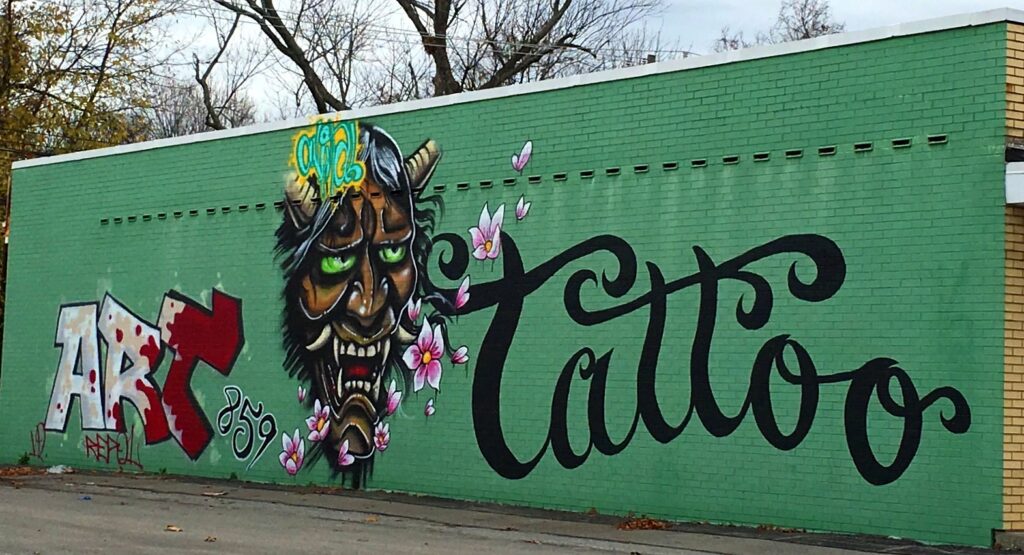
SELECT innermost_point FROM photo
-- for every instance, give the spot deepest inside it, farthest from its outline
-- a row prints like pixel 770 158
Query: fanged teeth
pixel 342 348
pixel 361 385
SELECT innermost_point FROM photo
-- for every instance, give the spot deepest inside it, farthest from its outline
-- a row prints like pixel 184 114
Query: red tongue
pixel 357 371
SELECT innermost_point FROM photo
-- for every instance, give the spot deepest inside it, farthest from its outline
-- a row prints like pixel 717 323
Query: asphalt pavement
pixel 123 513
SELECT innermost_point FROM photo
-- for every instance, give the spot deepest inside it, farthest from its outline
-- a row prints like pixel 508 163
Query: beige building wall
pixel 1013 371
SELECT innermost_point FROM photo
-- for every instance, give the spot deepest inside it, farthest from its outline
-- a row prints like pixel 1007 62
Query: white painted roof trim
pixel 754 53
pixel 1015 183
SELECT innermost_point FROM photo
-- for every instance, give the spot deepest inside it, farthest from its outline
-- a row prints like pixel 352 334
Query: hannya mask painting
pixel 353 242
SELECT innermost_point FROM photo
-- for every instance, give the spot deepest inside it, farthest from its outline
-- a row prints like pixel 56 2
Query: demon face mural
pixel 353 243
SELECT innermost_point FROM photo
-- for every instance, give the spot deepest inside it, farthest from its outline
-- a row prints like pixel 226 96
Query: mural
pixel 353 242
pixel 365 329
pixel 242 421
pixel 133 350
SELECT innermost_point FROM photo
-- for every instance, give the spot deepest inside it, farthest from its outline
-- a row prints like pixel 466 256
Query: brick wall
pixel 1013 425
pixel 919 224
pixel 1013 430
pixel 1015 83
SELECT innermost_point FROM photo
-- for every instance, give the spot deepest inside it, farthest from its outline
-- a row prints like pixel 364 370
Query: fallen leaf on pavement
pixel 642 523
pixel 172 528
pixel 20 471
pixel 214 493
pixel 210 539
pixel 372 519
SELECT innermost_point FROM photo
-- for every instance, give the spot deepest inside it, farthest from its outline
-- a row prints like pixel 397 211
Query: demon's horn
pixel 301 197
pixel 319 342
pixel 420 166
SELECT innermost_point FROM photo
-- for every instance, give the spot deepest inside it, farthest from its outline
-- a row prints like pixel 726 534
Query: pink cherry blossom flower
pixel 461 355
pixel 382 436
pixel 424 356
pixel 344 457
pixel 429 409
pixel 487 235
pixel 413 310
pixel 394 398
pixel 293 453
pixel 462 295
pixel 302 394
pixel 317 423
pixel 522 208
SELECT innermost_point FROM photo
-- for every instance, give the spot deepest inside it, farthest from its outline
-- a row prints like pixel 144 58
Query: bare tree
pixel 182 107
pixel 805 19
pixel 481 44
pixel 797 20
pixel 348 53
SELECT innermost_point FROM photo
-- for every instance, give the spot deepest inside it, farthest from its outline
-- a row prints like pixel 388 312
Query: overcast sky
pixel 691 24
pixel 696 23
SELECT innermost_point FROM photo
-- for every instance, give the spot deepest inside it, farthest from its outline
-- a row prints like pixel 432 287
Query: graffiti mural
pixel 506 296
pixel 353 242
pixel 243 421
pixel 365 329
pixel 118 448
pixel 134 349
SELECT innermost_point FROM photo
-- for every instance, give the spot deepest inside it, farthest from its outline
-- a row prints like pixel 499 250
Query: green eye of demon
pixel 393 255
pixel 337 264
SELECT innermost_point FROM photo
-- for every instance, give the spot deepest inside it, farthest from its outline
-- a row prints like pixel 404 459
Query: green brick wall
pixel 920 231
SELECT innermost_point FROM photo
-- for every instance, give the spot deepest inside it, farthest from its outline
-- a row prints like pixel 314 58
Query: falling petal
pixel 344 457
pixel 413 310
pixel 522 208
pixel 520 160
pixel 462 295
pixel 429 409
pixel 394 398
pixel 461 355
